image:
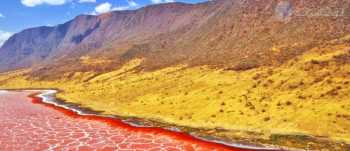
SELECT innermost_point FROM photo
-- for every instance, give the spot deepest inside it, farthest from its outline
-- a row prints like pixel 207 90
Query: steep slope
pixel 228 34
pixel 87 33
pixel 25 48
pixel 244 34
pixel 303 103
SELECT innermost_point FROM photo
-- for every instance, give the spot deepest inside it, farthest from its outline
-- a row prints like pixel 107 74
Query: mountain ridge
pixel 216 33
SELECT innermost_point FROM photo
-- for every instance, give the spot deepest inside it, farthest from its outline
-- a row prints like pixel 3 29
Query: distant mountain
pixel 229 34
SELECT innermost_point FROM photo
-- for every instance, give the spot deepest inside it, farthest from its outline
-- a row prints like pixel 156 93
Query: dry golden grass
pixel 87 60
pixel 307 95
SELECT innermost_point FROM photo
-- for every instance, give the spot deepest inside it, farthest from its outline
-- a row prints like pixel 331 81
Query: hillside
pixel 268 72
pixel 223 33
pixel 284 105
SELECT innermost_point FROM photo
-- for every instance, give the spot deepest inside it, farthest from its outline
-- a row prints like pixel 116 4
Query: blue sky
pixel 16 15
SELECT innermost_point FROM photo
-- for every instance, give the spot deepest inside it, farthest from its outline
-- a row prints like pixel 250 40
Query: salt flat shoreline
pixel 25 118
pixel 48 97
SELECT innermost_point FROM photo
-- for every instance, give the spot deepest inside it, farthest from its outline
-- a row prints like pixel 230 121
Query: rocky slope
pixel 237 35
pixel 303 103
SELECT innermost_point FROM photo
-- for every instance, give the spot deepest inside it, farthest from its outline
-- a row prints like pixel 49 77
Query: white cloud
pixel 131 4
pixel 4 36
pixel 103 8
pixel 87 1
pixel 33 3
pixel 162 1
pixel 107 7
pixel 2 16
pixel 121 8
pixel 156 1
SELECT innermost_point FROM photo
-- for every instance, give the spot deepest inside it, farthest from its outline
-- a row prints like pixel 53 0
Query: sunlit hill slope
pixel 307 95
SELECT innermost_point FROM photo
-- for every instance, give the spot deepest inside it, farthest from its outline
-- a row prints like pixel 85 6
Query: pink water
pixel 27 124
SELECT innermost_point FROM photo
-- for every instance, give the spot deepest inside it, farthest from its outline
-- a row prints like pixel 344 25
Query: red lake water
pixel 28 124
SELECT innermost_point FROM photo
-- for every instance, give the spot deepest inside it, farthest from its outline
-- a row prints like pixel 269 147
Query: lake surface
pixel 28 124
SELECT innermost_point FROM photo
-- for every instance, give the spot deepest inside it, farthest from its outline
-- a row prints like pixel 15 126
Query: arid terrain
pixel 29 124
pixel 305 96
pixel 274 72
